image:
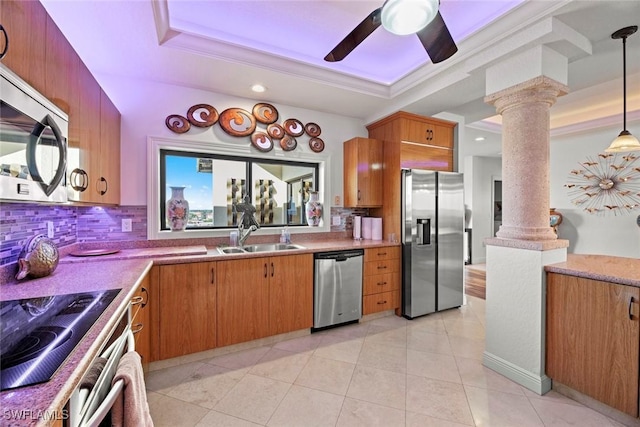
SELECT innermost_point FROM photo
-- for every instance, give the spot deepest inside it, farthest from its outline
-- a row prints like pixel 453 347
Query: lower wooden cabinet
pixel 593 339
pixel 186 308
pixel 381 279
pixel 259 297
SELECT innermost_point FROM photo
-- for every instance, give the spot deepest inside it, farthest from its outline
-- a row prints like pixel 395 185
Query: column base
pixel 526 233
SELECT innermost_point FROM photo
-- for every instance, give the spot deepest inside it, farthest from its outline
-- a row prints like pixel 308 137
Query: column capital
pixel 539 89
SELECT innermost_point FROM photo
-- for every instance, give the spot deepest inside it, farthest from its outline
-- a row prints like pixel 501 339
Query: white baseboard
pixel 536 383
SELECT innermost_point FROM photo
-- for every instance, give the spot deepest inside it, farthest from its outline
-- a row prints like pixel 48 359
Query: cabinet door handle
pixel 382 283
pixel 382 253
pixel 358 194
pixel 382 302
pixel 213 275
pixel 136 328
pixel 146 298
pixel 105 186
pixel 382 267
pixel 272 269
pixel 6 42
pixel 265 269
pixel 630 303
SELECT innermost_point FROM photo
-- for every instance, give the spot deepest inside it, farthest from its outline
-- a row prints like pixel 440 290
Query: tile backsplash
pixel 88 224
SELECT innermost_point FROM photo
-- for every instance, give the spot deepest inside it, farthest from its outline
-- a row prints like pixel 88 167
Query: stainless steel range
pixel 38 334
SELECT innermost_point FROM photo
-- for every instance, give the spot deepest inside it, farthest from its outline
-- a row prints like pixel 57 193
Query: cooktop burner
pixel 38 334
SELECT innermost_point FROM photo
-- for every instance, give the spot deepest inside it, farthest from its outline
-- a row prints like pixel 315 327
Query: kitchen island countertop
pixel 620 270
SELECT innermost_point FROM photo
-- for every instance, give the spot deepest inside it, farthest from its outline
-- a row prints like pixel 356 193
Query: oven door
pixel 33 144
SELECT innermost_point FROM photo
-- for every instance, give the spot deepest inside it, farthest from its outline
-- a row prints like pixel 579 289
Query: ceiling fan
pixel 403 17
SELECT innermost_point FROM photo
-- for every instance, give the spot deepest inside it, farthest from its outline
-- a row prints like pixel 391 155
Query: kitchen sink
pixel 230 250
pixel 264 247
pixel 270 247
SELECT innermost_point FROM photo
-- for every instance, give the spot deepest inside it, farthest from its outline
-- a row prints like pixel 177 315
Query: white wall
pixel 149 103
pixel 587 233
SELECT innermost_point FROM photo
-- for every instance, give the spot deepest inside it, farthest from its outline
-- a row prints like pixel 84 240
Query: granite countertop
pixel 620 270
pixel 41 404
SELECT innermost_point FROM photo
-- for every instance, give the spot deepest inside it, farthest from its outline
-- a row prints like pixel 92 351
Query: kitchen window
pixel 278 189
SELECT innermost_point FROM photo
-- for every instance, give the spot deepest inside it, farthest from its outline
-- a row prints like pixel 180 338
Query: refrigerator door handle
pixel 424 231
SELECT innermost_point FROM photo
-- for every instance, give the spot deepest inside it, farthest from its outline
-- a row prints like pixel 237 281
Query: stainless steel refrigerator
pixel 432 241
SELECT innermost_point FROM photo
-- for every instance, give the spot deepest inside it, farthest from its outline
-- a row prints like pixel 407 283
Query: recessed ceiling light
pixel 480 138
pixel 258 88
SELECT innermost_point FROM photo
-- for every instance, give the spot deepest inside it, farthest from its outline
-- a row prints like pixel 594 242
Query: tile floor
pixel 384 372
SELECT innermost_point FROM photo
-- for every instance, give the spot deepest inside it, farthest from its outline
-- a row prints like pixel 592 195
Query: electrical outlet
pixel 50 229
pixel 126 225
pixel 336 201
pixel 336 220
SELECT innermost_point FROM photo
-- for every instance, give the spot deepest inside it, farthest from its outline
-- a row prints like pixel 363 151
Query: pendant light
pixel 625 141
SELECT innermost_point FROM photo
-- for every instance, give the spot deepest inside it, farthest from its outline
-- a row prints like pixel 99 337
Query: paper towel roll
pixel 366 227
pixel 357 227
pixel 376 229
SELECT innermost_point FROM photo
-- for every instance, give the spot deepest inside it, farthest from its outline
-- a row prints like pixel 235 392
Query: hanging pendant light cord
pixel 624 82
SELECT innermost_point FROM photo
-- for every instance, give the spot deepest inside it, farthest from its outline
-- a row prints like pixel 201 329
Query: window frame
pixel 249 163
pixel 233 151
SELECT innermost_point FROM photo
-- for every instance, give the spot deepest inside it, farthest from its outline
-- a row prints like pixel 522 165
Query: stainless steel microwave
pixel 33 143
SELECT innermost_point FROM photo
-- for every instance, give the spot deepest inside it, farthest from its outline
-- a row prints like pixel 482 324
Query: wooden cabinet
pixel 381 279
pixel 413 128
pixel 290 293
pixel 593 339
pixel 363 172
pixel 41 55
pixel 141 321
pixel 187 308
pixel 259 297
pixel 26 25
pixel 413 142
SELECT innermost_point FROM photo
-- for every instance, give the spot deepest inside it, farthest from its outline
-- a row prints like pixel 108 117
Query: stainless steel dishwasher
pixel 337 288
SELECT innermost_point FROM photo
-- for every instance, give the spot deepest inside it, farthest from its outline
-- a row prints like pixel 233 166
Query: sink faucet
pixel 247 223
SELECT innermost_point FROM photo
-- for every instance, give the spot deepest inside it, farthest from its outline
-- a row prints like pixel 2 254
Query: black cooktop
pixel 38 334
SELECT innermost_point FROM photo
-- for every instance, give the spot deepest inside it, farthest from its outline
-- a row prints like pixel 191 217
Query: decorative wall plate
pixel 316 144
pixel 607 184
pixel 202 115
pixel 312 129
pixel 288 143
pixel 177 123
pixel 262 141
pixel 265 113
pixel 275 131
pixel 237 122
pixel 293 127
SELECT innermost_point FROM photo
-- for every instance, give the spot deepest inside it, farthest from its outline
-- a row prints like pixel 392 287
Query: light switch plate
pixel 126 225
pixel 335 220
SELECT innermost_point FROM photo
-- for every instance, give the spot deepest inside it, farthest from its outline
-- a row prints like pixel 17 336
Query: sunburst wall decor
pixel 607 184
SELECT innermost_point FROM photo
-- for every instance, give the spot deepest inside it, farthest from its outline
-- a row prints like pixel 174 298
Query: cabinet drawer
pixel 388 252
pixel 380 302
pixel 372 268
pixel 381 283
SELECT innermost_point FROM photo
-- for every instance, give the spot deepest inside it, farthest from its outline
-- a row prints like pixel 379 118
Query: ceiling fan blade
pixel 355 37
pixel 437 40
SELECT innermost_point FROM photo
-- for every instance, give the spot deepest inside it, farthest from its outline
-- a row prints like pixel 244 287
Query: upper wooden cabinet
pixel 41 55
pixel 26 25
pixel 407 127
pixel 363 159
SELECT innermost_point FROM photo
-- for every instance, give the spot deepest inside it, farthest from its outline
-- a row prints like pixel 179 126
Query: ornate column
pixel 525 157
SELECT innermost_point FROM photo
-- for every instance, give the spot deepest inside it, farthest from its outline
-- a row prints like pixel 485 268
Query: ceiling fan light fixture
pixel 403 17
pixel 625 141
